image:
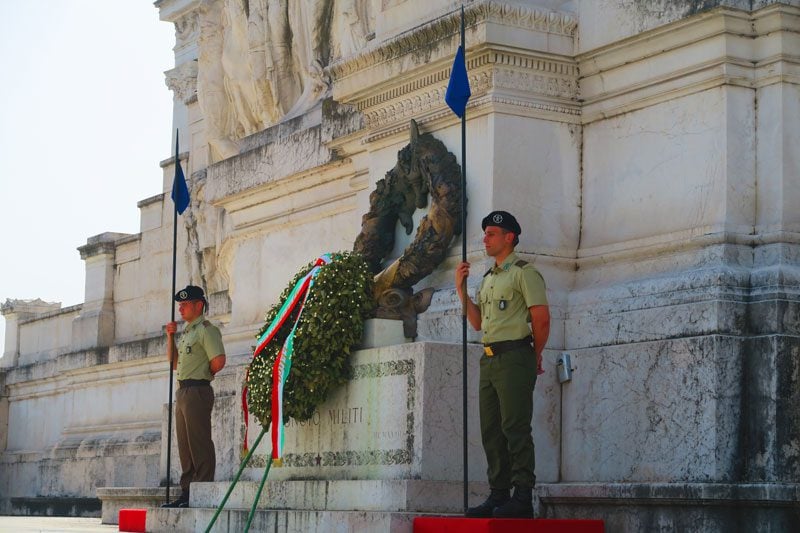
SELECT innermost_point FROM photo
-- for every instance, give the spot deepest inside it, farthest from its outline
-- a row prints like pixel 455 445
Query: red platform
pixel 132 520
pixel 443 524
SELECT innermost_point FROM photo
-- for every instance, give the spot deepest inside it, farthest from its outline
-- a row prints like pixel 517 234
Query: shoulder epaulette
pixel 206 323
pixel 521 263
pixel 488 272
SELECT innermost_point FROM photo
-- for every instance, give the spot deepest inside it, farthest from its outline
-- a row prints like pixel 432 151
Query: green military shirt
pixel 504 296
pixel 200 342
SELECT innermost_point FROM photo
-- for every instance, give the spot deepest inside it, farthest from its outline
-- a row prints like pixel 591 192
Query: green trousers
pixel 193 407
pixel 505 396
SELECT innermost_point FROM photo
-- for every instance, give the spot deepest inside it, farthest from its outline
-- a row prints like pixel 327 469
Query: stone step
pixel 279 521
pixel 402 495
pixel 115 498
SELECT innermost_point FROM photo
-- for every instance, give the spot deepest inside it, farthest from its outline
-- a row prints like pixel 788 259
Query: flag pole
pixel 463 259
pixel 172 319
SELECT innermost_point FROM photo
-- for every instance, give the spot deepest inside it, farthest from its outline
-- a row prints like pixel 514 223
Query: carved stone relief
pixel 182 81
pixel 204 226
pixel 261 61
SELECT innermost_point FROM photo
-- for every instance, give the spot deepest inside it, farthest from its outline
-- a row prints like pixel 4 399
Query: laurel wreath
pixel 331 324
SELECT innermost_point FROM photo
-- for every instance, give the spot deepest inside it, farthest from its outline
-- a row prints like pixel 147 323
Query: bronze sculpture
pixel 423 166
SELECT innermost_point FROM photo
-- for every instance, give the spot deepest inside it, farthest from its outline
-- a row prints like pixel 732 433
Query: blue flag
pixel 180 192
pixel 458 92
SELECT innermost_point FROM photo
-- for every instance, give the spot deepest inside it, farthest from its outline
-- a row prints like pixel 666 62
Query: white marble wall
pixel 647 150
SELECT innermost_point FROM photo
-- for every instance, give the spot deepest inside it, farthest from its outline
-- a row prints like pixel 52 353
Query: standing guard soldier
pixel 200 355
pixel 511 303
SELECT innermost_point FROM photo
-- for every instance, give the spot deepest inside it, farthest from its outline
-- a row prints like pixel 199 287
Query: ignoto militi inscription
pixel 368 422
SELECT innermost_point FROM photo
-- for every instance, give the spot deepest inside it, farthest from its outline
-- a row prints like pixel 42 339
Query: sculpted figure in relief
pixel 262 61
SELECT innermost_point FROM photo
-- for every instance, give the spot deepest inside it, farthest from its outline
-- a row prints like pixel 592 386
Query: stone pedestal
pixel 399 417
pixel 380 332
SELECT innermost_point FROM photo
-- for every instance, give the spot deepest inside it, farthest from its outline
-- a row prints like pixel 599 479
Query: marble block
pixel 389 495
pixel 399 417
pixel 234 521
pixel 380 332
pixel 654 411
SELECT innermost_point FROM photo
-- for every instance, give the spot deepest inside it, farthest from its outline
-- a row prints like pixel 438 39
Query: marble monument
pixel 648 150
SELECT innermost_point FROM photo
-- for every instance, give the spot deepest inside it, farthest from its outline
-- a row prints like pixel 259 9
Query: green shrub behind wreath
pixel 331 324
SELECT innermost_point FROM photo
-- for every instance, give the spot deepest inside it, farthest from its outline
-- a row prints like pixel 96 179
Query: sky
pixel 85 119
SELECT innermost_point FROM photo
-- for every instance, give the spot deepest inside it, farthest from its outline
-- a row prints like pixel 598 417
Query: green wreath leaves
pixel 331 324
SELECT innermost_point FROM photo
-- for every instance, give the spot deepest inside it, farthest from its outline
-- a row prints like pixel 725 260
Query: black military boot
pixel 496 498
pixel 519 506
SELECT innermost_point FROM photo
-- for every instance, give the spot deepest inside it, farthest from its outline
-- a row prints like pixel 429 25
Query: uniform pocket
pixel 502 300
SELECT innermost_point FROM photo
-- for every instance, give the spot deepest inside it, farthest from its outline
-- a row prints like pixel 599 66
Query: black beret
pixel 501 219
pixel 191 292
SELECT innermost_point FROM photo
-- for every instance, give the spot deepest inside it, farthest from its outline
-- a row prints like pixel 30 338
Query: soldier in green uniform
pixel 200 355
pixel 513 313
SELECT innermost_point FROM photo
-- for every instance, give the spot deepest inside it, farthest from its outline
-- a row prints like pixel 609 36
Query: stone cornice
pixel 52 314
pixel 448 26
pixel 406 77
pixel 105 243
pixel 27 307
pixel 183 156
pixel 561 75
pixel 526 83
pixel 721 47
pixel 172 10
pixel 151 200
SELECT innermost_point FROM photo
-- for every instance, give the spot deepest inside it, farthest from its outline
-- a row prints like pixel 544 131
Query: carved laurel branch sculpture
pixel 424 166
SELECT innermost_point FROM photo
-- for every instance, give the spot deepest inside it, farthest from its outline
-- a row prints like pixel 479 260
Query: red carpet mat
pixel 443 524
pixel 132 520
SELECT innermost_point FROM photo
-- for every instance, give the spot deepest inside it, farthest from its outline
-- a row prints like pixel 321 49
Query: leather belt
pixel 496 348
pixel 183 383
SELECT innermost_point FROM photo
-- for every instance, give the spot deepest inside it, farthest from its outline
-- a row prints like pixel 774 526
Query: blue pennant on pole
pixel 180 192
pixel 458 92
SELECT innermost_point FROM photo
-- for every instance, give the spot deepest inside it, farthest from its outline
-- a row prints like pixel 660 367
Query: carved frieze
pixel 535 82
pixel 187 29
pixel 532 84
pixel 480 12
pixel 399 80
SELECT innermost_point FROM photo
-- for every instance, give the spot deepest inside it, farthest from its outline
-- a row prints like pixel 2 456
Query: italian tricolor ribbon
pixel 283 362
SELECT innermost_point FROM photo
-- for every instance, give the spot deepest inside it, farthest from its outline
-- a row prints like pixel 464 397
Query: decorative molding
pixel 182 81
pixel 55 312
pixel 449 25
pixel 187 30
pixel 541 84
pixel 104 243
pixel 678 59
pixel 28 307
pixel 172 10
pixel 564 113
pixel 151 200
pixel 496 77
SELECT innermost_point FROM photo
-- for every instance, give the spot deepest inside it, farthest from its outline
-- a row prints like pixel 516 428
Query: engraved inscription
pixel 352 415
pixel 370 421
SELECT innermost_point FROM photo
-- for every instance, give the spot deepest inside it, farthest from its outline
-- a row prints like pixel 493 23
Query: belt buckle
pixel 487 350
